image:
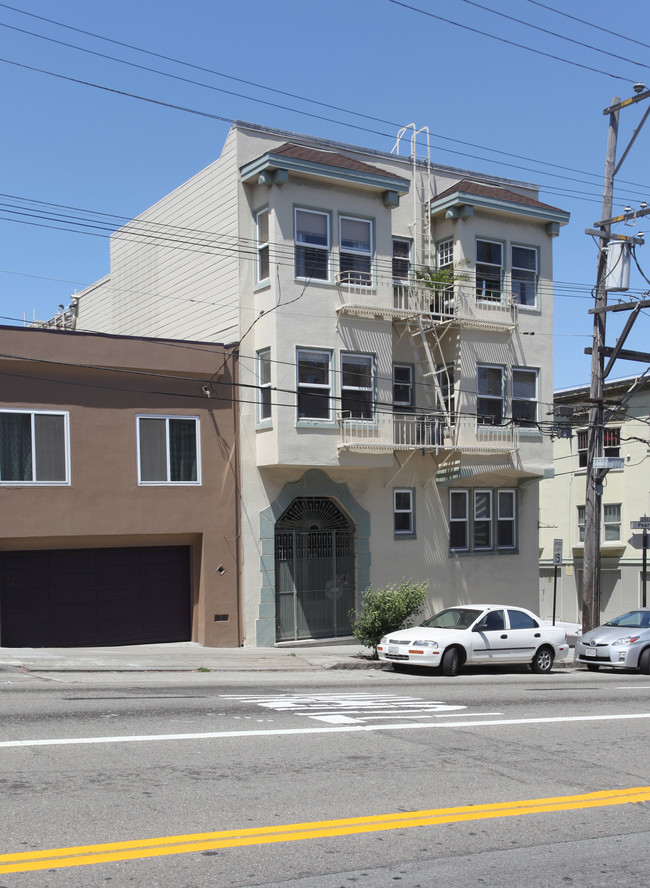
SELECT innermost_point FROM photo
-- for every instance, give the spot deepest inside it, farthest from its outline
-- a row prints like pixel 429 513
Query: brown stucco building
pixel 118 490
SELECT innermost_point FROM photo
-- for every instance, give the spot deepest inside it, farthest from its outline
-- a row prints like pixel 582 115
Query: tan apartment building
pixel 625 500
pixel 118 490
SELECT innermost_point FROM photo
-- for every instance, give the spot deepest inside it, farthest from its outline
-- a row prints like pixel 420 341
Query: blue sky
pixel 523 109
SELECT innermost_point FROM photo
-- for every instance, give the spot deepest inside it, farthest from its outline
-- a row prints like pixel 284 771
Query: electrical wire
pixel 511 42
pixel 265 87
pixel 575 42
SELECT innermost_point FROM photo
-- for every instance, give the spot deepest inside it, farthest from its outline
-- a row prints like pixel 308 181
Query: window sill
pixel 169 483
pixel 262 285
pixel 311 281
pixel 479 552
pixel 263 425
pixel 317 424
pixel 35 483
pixel 405 536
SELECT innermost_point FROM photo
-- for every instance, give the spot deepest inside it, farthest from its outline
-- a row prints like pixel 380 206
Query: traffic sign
pixel 609 462
pixel 557 553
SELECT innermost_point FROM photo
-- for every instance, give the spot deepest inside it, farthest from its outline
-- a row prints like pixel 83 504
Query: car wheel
pixel 450 663
pixel 593 667
pixel 644 661
pixel 542 661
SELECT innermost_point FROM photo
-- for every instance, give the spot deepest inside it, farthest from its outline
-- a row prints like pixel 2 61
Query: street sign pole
pixel 645 564
pixel 557 564
pixel 644 525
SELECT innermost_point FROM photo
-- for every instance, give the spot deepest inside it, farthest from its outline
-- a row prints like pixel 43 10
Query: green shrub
pixel 385 610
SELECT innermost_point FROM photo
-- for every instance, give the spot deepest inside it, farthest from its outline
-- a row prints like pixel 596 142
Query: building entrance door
pixel 314 570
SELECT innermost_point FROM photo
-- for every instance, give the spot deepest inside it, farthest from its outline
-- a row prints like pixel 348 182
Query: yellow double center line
pixel 83 855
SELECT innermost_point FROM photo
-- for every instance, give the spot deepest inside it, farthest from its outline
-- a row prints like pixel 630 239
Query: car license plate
pixel 393 649
pixel 590 652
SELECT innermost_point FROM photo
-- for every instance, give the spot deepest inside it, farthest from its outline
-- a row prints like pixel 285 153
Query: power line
pixel 262 86
pixel 540 52
pixel 267 88
pixel 589 24
pixel 512 18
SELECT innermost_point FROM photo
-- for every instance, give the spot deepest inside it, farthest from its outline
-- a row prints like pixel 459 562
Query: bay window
pixel 489 401
pixel 524 396
pixel 355 251
pixel 262 246
pixel 314 383
pixel 523 275
pixel 312 245
pixel 357 386
pixel 489 270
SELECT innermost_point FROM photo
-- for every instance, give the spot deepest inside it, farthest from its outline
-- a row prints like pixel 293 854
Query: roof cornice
pixel 271 162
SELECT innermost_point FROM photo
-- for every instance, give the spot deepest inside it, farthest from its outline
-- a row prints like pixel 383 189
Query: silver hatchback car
pixel 623 643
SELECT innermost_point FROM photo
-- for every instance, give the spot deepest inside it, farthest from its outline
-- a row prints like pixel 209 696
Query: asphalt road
pixel 324 780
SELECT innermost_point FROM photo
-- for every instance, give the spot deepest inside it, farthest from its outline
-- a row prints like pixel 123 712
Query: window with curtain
pixel 33 447
pixel 168 448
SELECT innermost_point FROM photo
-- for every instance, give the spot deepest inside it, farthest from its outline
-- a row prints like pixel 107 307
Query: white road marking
pixel 343 729
pixel 322 707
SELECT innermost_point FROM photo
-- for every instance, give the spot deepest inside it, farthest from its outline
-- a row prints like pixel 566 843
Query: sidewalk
pixel 188 656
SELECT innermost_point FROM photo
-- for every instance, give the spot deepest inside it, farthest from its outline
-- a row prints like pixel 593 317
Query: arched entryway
pixel 314 570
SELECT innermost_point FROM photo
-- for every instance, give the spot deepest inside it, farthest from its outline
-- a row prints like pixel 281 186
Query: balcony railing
pixel 459 303
pixel 425 432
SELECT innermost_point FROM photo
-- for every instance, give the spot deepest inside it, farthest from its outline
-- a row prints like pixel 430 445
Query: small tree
pixel 385 610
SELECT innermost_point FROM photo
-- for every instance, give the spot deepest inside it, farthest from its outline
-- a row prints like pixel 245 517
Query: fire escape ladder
pixel 428 348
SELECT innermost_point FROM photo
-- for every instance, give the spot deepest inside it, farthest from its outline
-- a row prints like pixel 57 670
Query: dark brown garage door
pixel 78 597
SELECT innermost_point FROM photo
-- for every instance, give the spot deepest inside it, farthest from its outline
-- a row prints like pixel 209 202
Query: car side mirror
pixel 480 627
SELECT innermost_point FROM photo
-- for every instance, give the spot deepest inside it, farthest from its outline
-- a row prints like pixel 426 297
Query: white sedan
pixel 477 634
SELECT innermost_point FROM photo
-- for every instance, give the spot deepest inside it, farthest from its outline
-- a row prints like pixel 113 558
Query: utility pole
pixel 595 432
pixel 593 494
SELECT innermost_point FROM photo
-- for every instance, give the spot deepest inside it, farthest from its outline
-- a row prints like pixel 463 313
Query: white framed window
pixel 357 386
pixel 264 384
pixel 403 385
pixel 401 259
pixel 489 394
pixel 582 437
pixel 482 536
pixel 489 270
pixel 581 523
pixel 458 520
pixel 355 251
pixel 611 442
pixel 612 521
pixel 314 371
pixel 169 450
pixel 34 447
pixel 403 511
pixel 262 270
pixel 445 253
pixel 524 396
pixel 312 245
pixel 506 519
pixel 524 275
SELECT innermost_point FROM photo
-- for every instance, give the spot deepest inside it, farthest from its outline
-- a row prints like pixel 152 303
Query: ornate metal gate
pixel 314 570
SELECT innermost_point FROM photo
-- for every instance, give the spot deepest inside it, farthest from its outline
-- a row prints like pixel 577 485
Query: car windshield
pixel 453 618
pixel 632 620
